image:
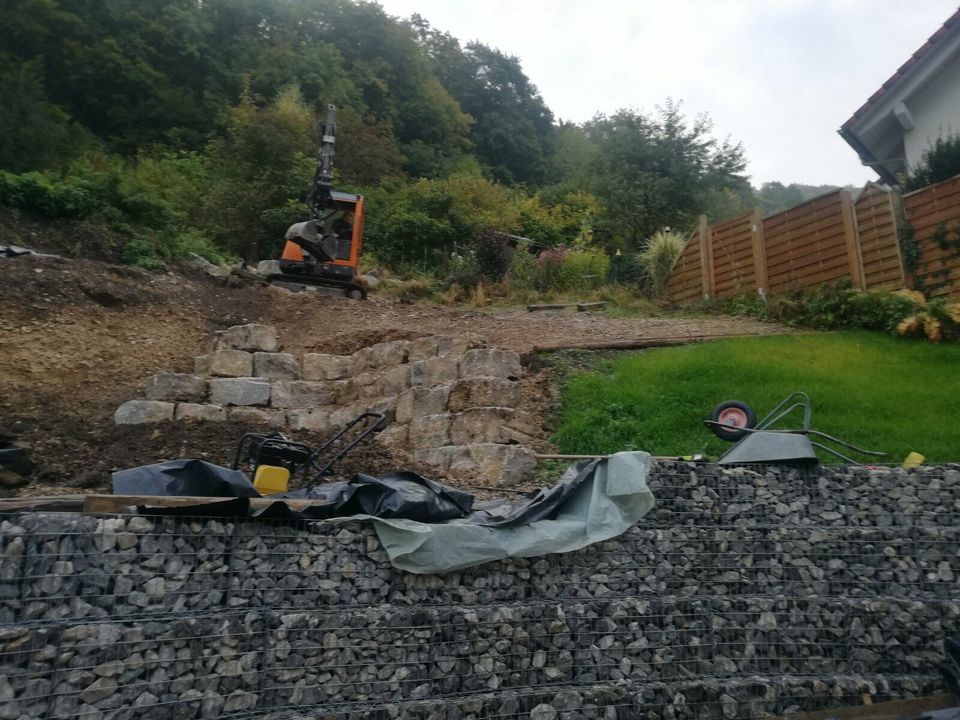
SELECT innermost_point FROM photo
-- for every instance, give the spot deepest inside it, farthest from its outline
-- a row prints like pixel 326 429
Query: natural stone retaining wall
pixel 743 593
pixel 449 400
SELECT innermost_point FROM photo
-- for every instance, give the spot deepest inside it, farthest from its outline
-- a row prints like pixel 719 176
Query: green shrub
pixel 584 269
pixel 549 270
pixel 69 199
pixel 493 255
pixel 877 311
pixel 413 223
pixel 195 241
pixel 562 269
pixel 625 270
pixel 143 252
pixel 567 218
pixel 836 306
pixel 523 270
pixel 749 305
pixel 657 259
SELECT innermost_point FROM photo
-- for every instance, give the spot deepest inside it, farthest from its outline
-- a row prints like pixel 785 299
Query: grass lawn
pixel 879 392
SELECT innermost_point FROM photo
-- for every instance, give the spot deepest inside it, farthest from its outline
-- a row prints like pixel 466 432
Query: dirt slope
pixel 78 337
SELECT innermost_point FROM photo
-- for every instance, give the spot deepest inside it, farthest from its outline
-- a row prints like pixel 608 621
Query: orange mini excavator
pixel 324 251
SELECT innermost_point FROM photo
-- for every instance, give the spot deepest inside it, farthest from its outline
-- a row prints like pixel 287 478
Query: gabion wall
pixel 743 593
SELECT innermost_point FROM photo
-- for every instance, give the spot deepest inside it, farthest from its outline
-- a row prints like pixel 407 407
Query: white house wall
pixel 935 110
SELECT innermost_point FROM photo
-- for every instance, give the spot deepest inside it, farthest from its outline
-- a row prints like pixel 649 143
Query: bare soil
pixel 78 337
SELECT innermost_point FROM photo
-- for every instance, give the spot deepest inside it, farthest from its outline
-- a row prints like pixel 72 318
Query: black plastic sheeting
pixel 396 495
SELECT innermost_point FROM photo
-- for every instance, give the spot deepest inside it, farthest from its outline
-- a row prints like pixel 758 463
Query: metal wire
pixel 744 592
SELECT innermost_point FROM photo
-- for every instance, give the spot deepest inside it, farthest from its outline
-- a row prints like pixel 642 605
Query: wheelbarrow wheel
pixel 732 413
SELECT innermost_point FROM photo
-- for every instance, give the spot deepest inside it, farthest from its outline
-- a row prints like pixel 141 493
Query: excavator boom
pixel 323 178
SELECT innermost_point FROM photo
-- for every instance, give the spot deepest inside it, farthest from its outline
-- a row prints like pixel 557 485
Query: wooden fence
pixel 826 239
pixel 934 215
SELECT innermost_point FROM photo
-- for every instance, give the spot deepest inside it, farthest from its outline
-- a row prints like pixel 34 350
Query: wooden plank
pixel 121 503
pixel 802 265
pixel 54 503
pixel 685 278
pixel 827 248
pixel 599 305
pixel 549 306
pixel 808 279
pixel 826 216
pixel 835 257
pixel 638 343
pixel 798 266
pixel 806 235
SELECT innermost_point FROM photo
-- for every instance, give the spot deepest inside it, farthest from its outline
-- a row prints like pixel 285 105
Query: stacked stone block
pixel 712 607
pixel 449 400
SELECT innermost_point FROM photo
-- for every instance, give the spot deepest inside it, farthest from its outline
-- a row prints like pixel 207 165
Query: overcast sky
pixel 780 76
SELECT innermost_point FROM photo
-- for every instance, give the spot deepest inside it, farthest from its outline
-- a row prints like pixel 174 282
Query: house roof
pixel 861 130
pixel 894 79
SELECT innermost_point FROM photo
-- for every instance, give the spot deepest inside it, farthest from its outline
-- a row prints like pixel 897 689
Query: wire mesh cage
pixel 745 592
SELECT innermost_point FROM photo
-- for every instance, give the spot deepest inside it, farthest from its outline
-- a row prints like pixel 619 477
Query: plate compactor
pixel 273 460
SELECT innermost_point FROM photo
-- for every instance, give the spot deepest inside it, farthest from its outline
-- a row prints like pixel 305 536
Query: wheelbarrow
pixel 758 442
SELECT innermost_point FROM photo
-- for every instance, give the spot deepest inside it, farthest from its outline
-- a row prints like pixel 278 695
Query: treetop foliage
pixel 198 119
pixel 941 161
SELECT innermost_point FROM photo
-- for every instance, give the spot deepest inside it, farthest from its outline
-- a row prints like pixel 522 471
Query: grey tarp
pixel 605 505
pixel 425 526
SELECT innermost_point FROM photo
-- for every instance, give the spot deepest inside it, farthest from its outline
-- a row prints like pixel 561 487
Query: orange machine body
pixel 349 256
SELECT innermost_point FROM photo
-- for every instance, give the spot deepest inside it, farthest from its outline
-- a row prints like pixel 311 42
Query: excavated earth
pixel 77 338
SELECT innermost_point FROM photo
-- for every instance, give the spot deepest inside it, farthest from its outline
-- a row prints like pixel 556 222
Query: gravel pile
pixel 742 593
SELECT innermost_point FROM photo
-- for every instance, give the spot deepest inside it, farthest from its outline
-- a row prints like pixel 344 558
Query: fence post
pixel 759 253
pixel 706 257
pixel 853 240
pixel 896 212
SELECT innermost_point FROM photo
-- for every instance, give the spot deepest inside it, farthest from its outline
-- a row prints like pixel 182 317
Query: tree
pixel 260 168
pixel 940 161
pixel 661 171
pixel 395 80
pixel 775 196
pixel 366 150
pixel 513 132
pixel 36 133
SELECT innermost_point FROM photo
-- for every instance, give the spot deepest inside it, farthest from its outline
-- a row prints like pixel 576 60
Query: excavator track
pixel 347 289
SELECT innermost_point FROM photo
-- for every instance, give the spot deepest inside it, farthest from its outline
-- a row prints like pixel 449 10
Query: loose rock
pixel 249 337
pixel 134 412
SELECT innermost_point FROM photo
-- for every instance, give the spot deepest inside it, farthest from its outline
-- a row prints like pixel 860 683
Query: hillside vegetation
pixel 184 126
